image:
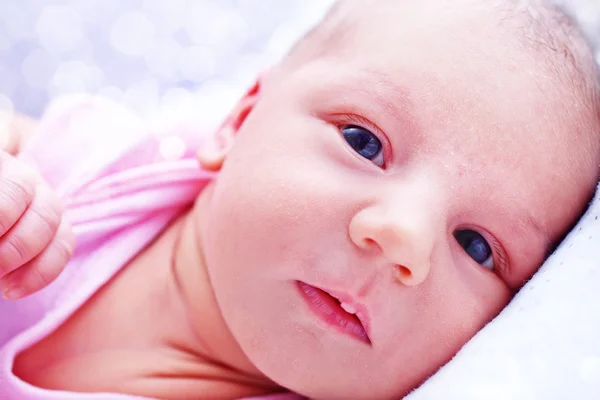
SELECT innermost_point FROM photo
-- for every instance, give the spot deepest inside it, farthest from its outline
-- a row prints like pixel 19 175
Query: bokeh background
pixel 175 56
pixel 180 56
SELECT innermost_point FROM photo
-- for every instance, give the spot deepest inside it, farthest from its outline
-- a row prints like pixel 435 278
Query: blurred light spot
pixel 6 106
pixel 97 12
pixel 160 58
pixel 590 369
pixel 17 21
pixel 111 92
pixel 76 76
pixel 172 148
pixel 8 80
pixel 215 99
pixel 280 42
pixel 38 68
pixel 199 18
pixel 248 68
pixel 5 42
pixel 197 63
pixel 175 100
pixel 132 33
pixel 142 96
pixel 168 15
pixel 59 28
pixel 211 24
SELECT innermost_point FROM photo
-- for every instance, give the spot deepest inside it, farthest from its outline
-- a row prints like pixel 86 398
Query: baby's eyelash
pixel 353 119
pixel 500 258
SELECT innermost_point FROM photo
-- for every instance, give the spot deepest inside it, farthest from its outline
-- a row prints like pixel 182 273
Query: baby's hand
pixel 36 242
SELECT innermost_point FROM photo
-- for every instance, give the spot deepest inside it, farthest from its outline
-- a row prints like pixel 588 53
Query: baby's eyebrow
pixel 393 98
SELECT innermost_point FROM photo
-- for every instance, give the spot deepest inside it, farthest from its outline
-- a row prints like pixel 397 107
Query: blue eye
pixel 364 143
pixel 476 247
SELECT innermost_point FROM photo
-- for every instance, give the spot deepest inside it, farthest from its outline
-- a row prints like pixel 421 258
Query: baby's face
pixel 419 175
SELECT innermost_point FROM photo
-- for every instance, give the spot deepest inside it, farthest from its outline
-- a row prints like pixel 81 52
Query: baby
pixel 369 205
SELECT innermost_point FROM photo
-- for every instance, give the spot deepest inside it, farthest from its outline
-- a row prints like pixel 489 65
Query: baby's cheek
pixel 283 204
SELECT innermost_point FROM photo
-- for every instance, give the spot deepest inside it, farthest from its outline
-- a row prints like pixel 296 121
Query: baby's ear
pixel 212 154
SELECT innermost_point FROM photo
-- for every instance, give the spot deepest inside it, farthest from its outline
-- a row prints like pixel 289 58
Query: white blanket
pixel 546 344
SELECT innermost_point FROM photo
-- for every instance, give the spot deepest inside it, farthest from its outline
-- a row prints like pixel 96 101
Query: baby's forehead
pixel 536 26
pixel 508 49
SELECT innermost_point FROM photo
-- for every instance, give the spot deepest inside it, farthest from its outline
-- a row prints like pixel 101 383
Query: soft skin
pixel 475 136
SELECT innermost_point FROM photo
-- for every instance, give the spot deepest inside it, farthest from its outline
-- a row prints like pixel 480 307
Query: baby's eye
pixel 476 247
pixel 364 143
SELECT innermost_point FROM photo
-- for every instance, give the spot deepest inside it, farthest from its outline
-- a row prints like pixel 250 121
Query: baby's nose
pixel 404 238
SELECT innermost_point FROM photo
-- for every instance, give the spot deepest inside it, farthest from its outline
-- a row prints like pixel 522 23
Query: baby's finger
pixel 32 233
pixel 17 183
pixel 43 269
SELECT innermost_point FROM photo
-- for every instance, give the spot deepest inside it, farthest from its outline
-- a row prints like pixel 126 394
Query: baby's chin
pixel 297 359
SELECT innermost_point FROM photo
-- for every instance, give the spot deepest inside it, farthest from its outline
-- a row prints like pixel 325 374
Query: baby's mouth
pixel 343 316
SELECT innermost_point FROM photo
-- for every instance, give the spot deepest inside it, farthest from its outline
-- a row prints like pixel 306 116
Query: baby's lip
pixel 345 301
pixel 361 310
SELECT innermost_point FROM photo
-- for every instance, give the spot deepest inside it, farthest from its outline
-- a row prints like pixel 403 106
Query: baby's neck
pixel 167 329
pixel 192 287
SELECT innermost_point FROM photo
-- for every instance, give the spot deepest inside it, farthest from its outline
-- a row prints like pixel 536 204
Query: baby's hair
pixel 551 28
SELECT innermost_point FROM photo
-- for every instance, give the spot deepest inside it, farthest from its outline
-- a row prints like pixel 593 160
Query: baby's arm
pixel 36 242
